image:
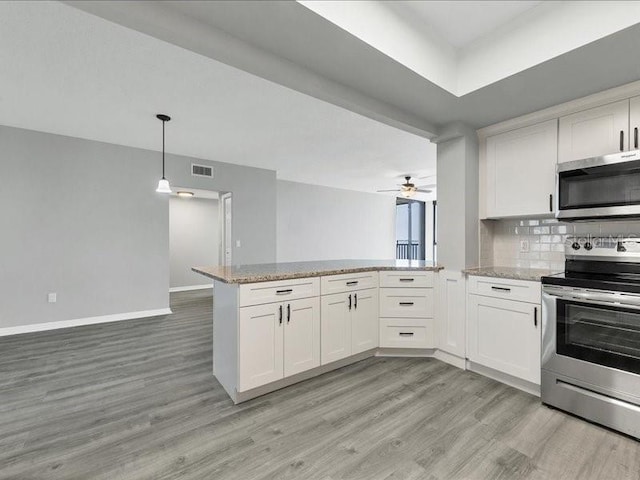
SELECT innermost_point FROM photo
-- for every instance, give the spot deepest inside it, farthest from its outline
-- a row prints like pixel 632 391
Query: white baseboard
pixel 450 359
pixel 190 287
pixel 405 352
pixel 116 317
pixel 505 378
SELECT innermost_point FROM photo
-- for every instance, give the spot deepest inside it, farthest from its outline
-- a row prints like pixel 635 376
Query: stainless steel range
pixel 591 333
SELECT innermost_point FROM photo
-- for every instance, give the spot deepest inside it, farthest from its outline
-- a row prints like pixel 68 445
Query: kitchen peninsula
pixel 278 324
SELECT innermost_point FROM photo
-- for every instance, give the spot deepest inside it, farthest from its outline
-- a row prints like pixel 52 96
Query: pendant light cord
pixel 163 122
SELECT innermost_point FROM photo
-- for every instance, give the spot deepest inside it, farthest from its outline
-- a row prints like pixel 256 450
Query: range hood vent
pixel 201 171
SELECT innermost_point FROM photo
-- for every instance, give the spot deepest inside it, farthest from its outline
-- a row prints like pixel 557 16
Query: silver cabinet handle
pixel 501 289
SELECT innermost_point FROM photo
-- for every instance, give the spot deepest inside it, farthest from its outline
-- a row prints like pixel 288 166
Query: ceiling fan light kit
pixel 408 189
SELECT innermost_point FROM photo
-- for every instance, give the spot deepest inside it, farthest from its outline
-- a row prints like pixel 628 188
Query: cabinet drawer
pixel 348 282
pixel 406 279
pixel 406 302
pixel 523 291
pixel 278 291
pixel 394 334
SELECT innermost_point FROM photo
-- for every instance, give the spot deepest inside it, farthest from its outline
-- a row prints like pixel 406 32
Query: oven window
pixel 599 187
pixel 608 336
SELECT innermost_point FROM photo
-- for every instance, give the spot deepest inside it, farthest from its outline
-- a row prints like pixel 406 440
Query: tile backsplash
pixel 500 240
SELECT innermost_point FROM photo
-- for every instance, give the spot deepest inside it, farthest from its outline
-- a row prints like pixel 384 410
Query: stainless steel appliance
pixel 599 187
pixel 591 333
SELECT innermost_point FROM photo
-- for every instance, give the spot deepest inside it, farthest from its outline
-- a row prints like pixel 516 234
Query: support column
pixel 457 231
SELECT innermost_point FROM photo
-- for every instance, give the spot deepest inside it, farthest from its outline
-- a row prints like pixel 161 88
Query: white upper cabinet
pixel 520 167
pixel 634 123
pixel 594 132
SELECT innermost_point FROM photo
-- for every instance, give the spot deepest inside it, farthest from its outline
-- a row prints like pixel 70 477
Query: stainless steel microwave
pixel 599 187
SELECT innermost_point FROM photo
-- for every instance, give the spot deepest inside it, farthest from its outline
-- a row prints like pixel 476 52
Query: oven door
pixel 606 186
pixel 593 337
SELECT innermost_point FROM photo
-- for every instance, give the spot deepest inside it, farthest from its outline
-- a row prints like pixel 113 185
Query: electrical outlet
pixel 524 246
pixel 52 297
pixel 237 243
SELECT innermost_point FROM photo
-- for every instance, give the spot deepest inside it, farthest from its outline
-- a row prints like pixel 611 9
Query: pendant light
pixel 163 184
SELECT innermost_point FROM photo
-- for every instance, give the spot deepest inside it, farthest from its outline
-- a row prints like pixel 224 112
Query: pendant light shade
pixel 163 184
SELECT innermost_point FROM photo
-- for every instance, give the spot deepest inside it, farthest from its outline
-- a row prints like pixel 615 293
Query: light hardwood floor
pixel 136 400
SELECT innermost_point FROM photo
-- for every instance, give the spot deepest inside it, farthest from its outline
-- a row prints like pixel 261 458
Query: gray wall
pixel 82 219
pixel 322 223
pixel 194 239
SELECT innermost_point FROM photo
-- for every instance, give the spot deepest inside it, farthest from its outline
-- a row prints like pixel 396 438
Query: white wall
pixel 322 223
pixel 82 218
pixel 194 239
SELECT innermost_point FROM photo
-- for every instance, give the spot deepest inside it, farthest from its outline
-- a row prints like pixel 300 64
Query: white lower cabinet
pixel 504 335
pixel 364 321
pixel 335 328
pixel 301 336
pixel 277 340
pixel 406 310
pixel 261 341
pixel 349 324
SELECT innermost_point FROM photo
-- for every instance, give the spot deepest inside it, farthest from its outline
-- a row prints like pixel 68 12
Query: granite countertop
pixel 266 272
pixel 514 273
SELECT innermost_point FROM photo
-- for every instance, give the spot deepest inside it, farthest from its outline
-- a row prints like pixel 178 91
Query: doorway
pixel 225 229
pixel 194 237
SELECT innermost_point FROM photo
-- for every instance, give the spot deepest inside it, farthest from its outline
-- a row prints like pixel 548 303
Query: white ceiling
pixel 68 72
pixel 461 22
pixel 465 46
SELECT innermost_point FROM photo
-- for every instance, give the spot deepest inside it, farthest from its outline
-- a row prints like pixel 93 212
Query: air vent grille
pixel 201 171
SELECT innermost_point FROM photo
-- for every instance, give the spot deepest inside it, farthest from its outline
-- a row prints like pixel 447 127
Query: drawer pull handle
pixel 284 292
pixel 501 289
pixel 352 283
pixel 406 334
pixel 407 279
pixel 406 304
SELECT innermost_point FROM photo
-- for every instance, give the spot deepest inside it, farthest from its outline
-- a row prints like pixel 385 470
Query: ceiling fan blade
pixel 431 185
pixel 424 191
pixel 394 190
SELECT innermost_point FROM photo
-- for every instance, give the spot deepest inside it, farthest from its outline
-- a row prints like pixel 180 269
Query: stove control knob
pixel 588 246
pixel 575 246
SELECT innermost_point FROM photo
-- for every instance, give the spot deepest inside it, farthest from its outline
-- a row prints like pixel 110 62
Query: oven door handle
pixel 597 298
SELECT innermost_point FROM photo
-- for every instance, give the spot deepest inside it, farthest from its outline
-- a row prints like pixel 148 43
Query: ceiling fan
pixel 408 189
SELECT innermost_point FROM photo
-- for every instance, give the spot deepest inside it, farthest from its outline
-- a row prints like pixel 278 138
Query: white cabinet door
pixel 260 345
pixel 450 316
pixel 364 321
pixel 634 123
pixel 521 170
pixel 335 331
pixel 597 131
pixel 301 335
pixel 505 335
